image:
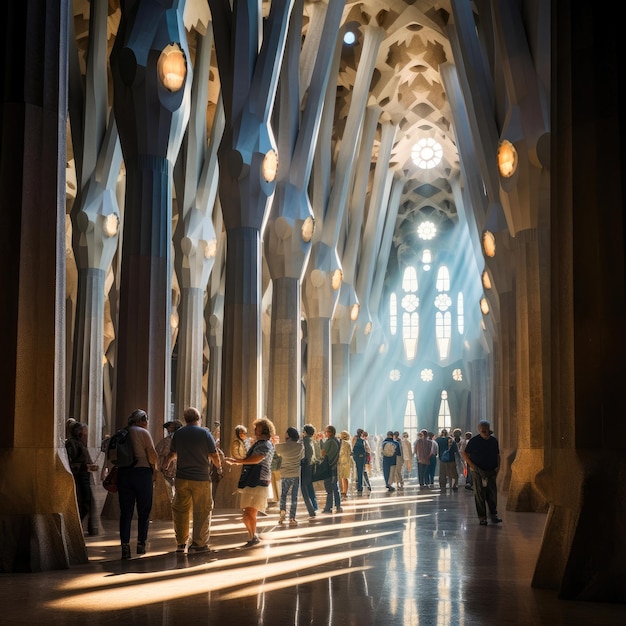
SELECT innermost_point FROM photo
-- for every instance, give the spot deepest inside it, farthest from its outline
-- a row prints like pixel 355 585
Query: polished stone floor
pixel 404 558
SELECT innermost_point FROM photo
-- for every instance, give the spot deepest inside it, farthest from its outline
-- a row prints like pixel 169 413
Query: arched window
pixel 410 334
pixel 443 279
pixel 444 419
pixel 393 314
pixel 410 416
pixel 410 318
pixel 443 333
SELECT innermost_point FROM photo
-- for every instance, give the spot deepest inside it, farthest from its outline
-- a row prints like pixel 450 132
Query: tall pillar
pixel 523 494
pixel 584 546
pixel 151 115
pixel 39 525
pixel 248 161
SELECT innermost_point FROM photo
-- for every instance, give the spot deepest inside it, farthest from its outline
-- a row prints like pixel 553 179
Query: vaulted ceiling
pixel 406 85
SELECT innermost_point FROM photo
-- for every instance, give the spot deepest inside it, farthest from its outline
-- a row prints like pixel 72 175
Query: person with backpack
pixel 135 483
pixel 391 451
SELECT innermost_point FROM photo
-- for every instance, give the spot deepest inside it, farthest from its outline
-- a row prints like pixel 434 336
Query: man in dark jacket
pixel 482 455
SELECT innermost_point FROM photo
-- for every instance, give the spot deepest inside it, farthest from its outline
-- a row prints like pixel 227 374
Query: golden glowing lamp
pixel 269 168
pixel 489 243
pixel 308 227
pixel 172 67
pixel 507 159
pixel 336 280
pixel 486 280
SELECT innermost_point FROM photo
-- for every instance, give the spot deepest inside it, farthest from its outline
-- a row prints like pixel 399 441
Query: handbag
pixel 321 469
pixel 251 476
pixel 110 480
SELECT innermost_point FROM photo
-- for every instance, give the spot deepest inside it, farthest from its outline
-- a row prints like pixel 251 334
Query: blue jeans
pixel 135 486
pixel 422 473
pixel 288 484
pixel 308 491
pixel 359 461
pixel 332 491
pixel 430 474
pixel 388 473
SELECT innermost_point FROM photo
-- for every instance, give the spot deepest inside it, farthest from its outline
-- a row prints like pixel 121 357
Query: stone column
pixel 584 546
pixel 39 520
pixel 151 115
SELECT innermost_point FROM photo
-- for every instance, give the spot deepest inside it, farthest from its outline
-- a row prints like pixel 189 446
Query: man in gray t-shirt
pixel 291 452
pixel 194 449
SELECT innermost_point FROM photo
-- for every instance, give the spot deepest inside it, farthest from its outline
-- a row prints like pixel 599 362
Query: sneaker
pixel 496 520
pixel 195 548
pixel 283 514
pixel 253 542
pixel 293 522
pixel 141 548
pixel 468 487
pixel 390 488
pixel 455 488
pixel 483 522
pixel 327 511
pixel 126 551
pixel 181 547
pixel 339 509
pixel 312 518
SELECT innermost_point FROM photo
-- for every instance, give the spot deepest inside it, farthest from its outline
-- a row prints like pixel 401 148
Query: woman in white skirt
pixel 256 476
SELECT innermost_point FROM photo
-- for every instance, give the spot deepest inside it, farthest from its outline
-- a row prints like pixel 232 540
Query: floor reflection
pixel 409 557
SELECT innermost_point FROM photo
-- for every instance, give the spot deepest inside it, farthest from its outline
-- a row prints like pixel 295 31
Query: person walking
pixel 306 477
pixel 442 443
pixel 291 452
pixel 407 456
pixel 390 452
pixel 194 449
pixel 135 484
pixel 368 461
pixel 398 470
pixel 448 465
pixel 256 476
pixel 330 448
pixel 433 460
pixel 82 468
pixel 358 454
pixel 423 452
pixel 344 464
pixel 466 470
pixel 482 454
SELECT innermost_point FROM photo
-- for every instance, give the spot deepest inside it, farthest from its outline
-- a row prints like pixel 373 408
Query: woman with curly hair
pixel 344 465
pixel 256 475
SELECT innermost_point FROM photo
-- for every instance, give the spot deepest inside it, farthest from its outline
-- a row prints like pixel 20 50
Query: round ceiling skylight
pixel 427 153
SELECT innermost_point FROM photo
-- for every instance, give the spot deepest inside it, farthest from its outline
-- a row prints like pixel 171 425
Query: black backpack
pixel 120 449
